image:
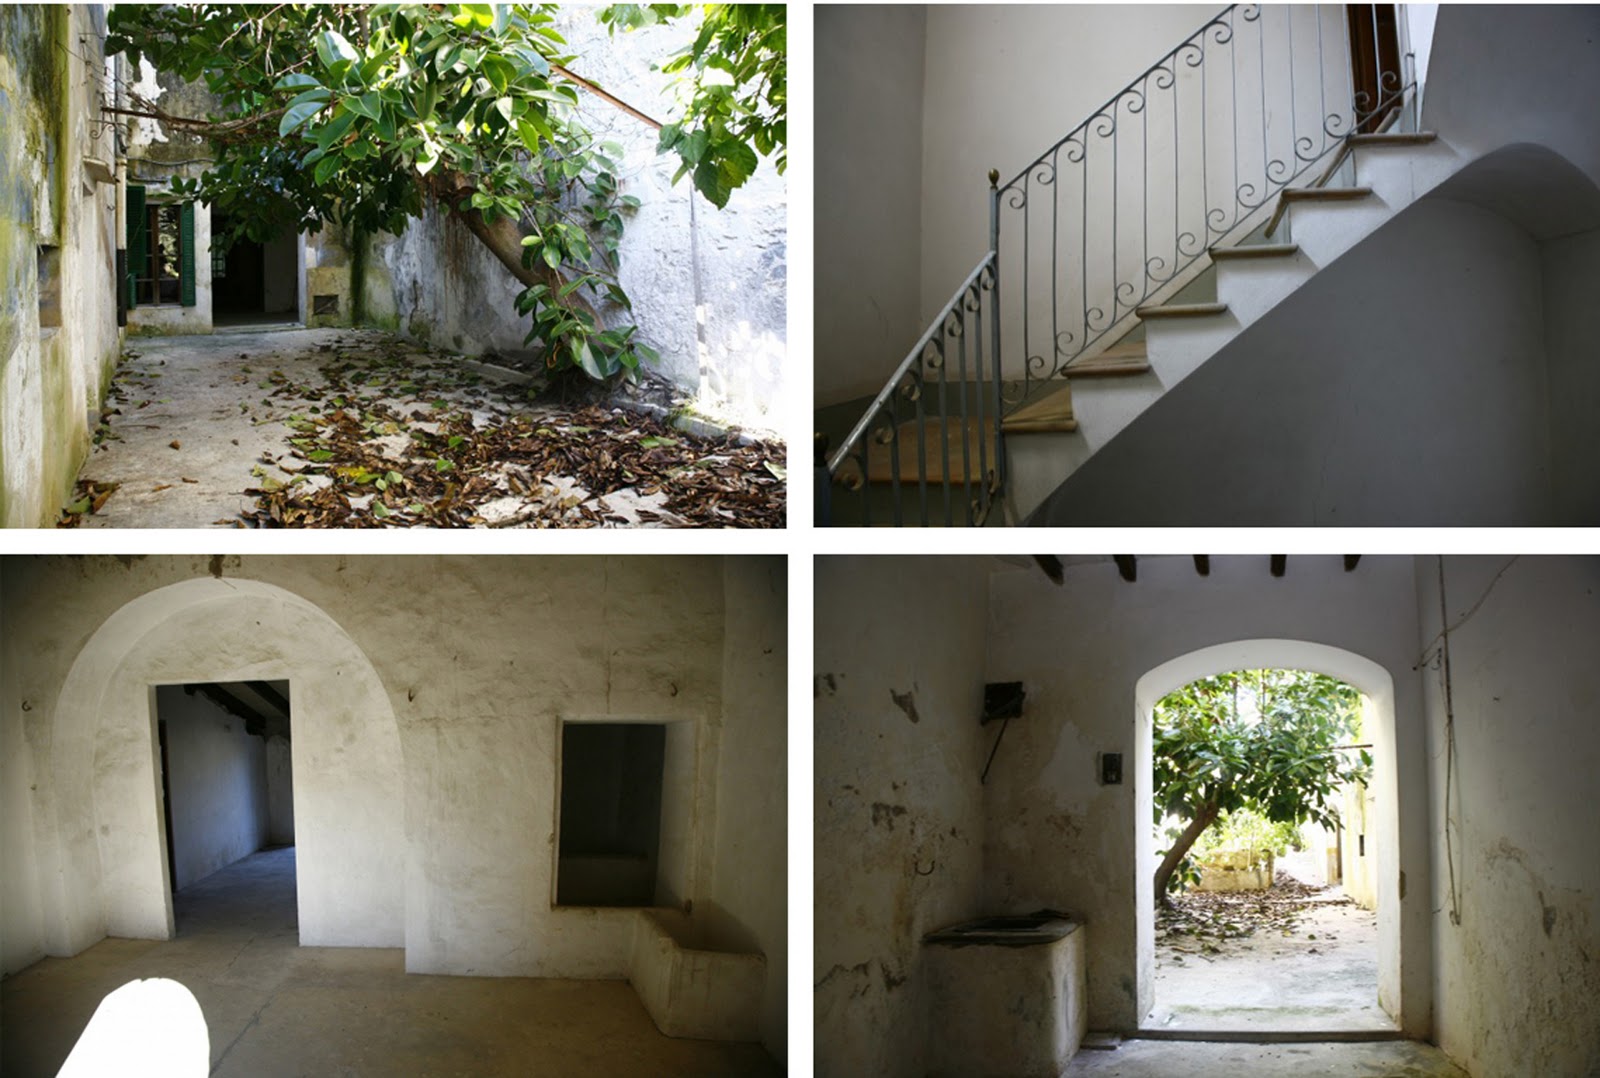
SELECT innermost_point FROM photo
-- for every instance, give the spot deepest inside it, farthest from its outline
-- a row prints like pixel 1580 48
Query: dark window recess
pixel 158 275
pixel 49 287
pixel 324 305
pixel 611 777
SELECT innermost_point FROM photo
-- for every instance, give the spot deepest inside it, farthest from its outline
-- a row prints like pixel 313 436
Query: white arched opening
pixel 348 785
pixel 1376 684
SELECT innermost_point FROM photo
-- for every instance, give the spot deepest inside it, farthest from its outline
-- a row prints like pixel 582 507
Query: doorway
pixel 1379 841
pixel 1375 71
pixel 252 283
pixel 1266 918
pixel 227 803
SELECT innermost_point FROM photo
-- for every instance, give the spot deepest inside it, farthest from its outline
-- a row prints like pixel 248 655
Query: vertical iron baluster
pixel 1294 126
pixel 1144 240
pixel 1261 59
pixel 966 429
pixel 1233 75
pixel 1083 245
pixel 999 444
pixel 944 427
pixel 1116 192
pixel 983 442
pixel 994 306
pixel 1322 82
pixel 894 457
pixel 1055 291
pixel 919 415
pixel 1377 66
pixel 1027 294
pixel 1177 168
pixel 1205 150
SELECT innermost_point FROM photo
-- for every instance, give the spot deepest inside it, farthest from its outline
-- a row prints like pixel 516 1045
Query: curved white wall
pixel 347 765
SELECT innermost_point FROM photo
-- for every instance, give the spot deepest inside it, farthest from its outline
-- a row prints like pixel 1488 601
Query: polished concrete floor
pixel 1163 1059
pixel 273 1007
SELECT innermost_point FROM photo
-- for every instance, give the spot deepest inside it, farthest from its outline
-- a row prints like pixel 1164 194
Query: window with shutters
pixel 160 251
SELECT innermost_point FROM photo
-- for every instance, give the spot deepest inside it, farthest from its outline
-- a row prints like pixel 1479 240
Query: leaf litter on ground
pixel 1209 920
pixel 391 435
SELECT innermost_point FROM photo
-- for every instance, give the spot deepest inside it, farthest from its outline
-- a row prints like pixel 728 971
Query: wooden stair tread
pixel 1050 414
pixel 1394 138
pixel 1182 310
pixel 1120 360
pixel 880 466
pixel 1255 250
pixel 1320 194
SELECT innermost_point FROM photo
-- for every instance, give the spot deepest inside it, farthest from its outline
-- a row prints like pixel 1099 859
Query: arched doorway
pixel 349 780
pixel 1377 686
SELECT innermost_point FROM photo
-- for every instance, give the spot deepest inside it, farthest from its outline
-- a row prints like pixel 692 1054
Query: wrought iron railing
pixel 969 470
pixel 1119 213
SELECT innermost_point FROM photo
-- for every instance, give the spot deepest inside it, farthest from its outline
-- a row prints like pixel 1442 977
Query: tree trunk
pixel 504 240
pixel 1169 864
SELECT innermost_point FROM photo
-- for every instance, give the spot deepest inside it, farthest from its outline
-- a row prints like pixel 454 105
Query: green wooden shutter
pixel 186 254
pixel 136 251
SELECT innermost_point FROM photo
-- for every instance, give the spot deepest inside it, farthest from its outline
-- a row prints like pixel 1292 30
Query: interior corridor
pixel 272 1007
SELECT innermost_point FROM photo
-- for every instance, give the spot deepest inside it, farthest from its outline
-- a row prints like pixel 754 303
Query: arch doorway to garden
pixel 1265 844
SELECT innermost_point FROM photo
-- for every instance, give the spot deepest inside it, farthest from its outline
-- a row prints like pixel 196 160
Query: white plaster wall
pixel 280 792
pixel 707 286
pixel 747 907
pixel 1404 384
pixel 1080 651
pixel 899 657
pixel 1517 986
pixel 1571 269
pixel 868 217
pixel 444 825
pixel 217 780
pixel 1494 71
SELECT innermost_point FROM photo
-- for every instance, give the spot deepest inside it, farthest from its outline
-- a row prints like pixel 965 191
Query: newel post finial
pixel 994 178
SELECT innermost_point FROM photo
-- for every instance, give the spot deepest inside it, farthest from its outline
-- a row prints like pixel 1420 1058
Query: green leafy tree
pixel 734 88
pixel 365 116
pixel 1262 741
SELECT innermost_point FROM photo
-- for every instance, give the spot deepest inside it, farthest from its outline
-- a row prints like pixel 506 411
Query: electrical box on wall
pixel 1111 769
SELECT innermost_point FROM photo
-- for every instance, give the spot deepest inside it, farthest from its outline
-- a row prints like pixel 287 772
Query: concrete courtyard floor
pixel 275 1008
pixel 359 428
pixel 1321 976
pixel 1163 1059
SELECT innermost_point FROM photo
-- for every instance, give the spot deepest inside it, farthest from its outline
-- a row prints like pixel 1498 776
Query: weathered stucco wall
pixel 1081 651
pixel 56 222
pixel 157 155
pixel 217 779
pixel 748 902
pixel 900 647
pixel 708 286
pixel 1517 930
pixel 428 697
